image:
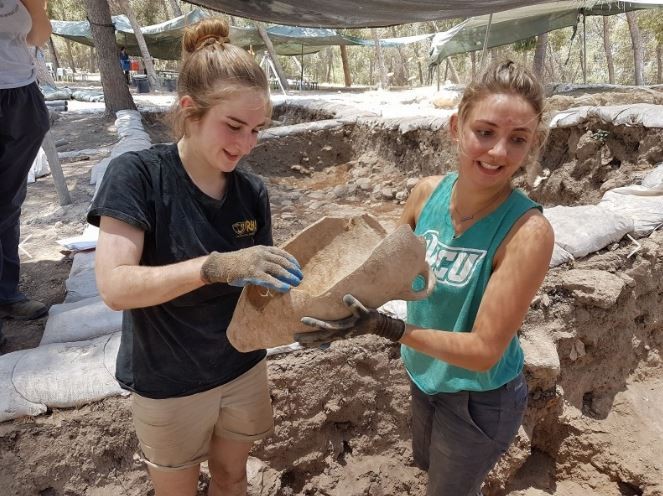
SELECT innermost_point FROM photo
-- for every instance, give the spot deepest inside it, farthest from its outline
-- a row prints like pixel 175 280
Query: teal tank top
pixel 462 267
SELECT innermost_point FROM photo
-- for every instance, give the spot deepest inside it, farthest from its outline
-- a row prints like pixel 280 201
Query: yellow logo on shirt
pixel 245 228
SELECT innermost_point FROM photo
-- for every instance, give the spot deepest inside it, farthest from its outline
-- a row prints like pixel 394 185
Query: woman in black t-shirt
pixel 181 231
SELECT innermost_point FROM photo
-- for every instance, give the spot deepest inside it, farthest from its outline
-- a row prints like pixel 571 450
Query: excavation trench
pixel 593 340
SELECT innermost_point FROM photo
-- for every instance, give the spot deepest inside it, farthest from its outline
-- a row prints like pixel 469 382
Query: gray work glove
pixel 362 321
pixel 265 266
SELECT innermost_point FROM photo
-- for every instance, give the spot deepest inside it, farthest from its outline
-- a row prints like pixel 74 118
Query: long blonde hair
pixel 212 71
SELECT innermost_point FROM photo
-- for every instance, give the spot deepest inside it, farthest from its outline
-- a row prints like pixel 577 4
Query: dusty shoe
pixel 23 310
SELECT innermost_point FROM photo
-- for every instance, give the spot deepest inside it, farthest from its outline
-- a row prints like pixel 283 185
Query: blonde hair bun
pixel 205 33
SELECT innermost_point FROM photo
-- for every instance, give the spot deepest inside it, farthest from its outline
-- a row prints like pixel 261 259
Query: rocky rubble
pixel 593 341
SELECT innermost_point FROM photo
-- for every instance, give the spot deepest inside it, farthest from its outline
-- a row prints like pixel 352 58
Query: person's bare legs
pixel 176 483
pixel 227 466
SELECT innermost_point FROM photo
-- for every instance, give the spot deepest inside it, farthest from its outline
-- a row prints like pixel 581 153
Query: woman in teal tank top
pixel 489 247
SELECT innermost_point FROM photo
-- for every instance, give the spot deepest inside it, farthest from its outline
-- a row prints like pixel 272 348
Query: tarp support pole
pixel 269 65
pixel 301 78
pixel 584 48
pixel 485 42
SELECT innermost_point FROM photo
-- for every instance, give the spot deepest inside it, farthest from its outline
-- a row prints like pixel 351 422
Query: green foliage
pixel 653 23
pixel 600 135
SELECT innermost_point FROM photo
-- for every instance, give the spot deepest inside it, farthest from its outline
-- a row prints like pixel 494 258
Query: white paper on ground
pixel 85 241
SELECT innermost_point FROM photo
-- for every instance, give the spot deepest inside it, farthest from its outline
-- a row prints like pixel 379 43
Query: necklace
pixel 465 218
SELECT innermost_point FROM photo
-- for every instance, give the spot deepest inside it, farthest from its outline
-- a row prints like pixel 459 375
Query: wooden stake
pixel 56 169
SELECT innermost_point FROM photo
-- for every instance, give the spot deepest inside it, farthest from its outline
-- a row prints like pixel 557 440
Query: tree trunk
pixel 329 65
pixel 175 8
pixel 272 54
pixel 378 55
pixel 551 66
pixel 371 70
pixel 402 65
pixel 473 59
pixel 659 63
pixel 70 54
pixel 419 68
pixel 638 48
pixel 607 46
pixel 54 54
pixel 452 69
pixel 346 66
pixel 91 58
pixel 540 56
pixel 116 91
pixel 144 51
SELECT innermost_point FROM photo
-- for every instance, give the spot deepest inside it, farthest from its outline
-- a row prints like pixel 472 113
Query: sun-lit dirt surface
pixel 594 422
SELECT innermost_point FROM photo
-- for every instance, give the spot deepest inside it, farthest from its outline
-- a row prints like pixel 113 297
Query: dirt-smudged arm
pixel 521 263
pixel 124 284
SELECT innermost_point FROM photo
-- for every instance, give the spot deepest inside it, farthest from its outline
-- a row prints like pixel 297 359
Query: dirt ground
pixel 594 424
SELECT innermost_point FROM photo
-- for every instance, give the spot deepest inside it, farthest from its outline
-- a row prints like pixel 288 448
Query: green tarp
pixel 519 24
pixel 358 13
pixel 164 39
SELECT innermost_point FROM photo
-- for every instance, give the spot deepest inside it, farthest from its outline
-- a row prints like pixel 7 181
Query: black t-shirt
pixel 180 347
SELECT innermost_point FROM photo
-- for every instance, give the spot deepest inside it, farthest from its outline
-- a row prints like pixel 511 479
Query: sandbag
pixel 585 229
pixel 85 319
pixel 636 202
pixel 59 308
pixel 639 114
pixel 68 374
pixel 58 375
pixel 87 96
pixel 12 403
pixel 39 166
pixel 641 203
pixel 559 256
pixel 337 256
pixel 654 180
pixel 132 138
pixel 81 282
pixel 50 93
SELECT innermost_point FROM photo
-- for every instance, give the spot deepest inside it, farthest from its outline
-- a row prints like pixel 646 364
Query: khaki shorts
pixel 175 433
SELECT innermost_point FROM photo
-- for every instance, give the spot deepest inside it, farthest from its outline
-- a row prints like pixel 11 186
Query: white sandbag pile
pixel 75 362
pixel 639 114
pixel 132 138
pixel 85 319
pixel 584 229
pixel 643 203
pixel 57 375
pixel 81 283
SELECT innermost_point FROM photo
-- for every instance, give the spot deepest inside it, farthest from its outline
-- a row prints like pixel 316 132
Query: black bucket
pixel 142 84
pixel 170 84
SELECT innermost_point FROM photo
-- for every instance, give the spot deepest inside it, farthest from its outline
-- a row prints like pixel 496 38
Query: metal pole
pixel 301 79
pixel 584 48
pixel 485 42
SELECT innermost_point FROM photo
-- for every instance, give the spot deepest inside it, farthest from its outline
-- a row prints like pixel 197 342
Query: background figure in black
pixel 23 124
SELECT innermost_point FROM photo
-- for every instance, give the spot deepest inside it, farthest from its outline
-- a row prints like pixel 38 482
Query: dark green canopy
pixel 164 39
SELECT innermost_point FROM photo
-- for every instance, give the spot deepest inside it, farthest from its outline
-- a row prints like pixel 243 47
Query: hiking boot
pixel 23 310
